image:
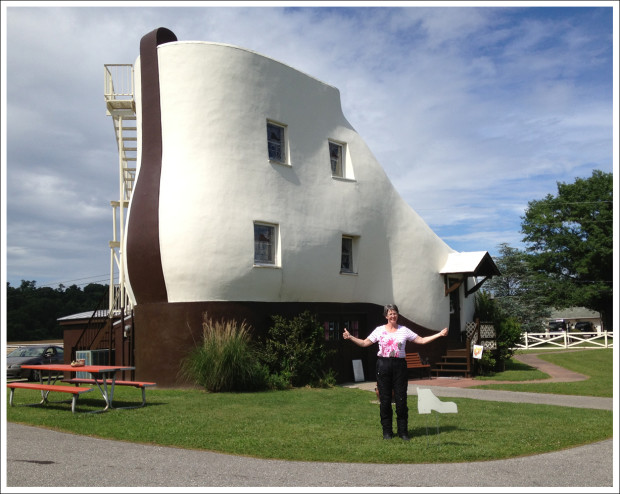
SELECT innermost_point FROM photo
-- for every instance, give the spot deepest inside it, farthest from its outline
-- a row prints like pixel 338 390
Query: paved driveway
pixel 43 458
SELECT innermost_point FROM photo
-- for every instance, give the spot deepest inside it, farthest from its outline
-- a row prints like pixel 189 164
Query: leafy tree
pixel 32 312
pixel 518 291
pixel 570 239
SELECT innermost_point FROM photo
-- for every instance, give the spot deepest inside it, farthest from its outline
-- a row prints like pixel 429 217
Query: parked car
pixel 557 326
pixel 32 355
pixel 585 326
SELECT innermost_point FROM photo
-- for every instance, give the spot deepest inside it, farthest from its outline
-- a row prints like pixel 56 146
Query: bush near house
pixel 295 352
pixel 292 355
pixel 225 360
pixel 507 330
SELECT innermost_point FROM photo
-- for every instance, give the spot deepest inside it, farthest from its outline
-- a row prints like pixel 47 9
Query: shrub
pixel 225 359
pixel 508 335
pixel 295 352
pixel 279 381
pixel 487 364
pixel 508 332
pixel 328 380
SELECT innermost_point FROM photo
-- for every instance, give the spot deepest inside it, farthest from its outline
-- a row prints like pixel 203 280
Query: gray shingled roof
pixel 574 313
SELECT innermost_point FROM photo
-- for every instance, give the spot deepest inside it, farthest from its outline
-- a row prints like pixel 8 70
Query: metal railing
pixel 119 97
pixel 118 81
pixel 563 339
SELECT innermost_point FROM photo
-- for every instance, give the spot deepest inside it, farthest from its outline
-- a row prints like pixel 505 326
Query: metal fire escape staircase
pixel 120 105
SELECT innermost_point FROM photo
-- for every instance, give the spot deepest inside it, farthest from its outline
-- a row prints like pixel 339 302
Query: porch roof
pixel 471 264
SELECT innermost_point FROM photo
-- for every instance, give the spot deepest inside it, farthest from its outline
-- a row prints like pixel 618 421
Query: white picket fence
pixel 563 339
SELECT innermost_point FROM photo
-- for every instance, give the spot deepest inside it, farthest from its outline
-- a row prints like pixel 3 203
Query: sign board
pixel 358 371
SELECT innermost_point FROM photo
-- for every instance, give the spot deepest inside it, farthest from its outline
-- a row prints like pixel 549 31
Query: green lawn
pixel 597 364
pixel 332 425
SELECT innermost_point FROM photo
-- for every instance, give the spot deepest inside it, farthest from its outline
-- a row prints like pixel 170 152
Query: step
pixel 452 371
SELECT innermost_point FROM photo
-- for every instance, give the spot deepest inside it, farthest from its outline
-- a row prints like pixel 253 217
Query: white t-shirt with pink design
pixel 392 344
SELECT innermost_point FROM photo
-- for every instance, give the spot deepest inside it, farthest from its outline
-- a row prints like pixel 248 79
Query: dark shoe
pixel 387 435
pixel 404 437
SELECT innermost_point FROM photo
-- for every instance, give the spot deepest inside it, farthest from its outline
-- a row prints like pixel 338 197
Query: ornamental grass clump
pixel 225 360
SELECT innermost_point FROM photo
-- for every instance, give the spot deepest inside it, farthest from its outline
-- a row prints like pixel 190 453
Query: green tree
pixel 518 291
pixel 32 312
pixel 570 239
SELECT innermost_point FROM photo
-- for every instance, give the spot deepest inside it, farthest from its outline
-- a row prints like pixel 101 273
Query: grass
pixel 597 364
pixel 516 371
pixel 328 425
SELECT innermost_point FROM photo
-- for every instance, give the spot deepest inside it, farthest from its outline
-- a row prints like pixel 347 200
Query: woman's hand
pixel 444 332
pixel 346 335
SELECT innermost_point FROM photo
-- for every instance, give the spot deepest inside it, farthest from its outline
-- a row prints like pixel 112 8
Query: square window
pixel 333 329
pixel 265 243
pixel 276 142
pixel 335 157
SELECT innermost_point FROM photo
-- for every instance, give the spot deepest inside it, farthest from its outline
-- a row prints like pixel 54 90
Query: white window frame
pixel 346 168
pixel 283 144
pixel 341 165
pixel 272 259
pixel 354 243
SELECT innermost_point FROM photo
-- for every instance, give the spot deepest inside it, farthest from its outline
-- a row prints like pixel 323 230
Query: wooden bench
pixel 136 384
pixel 45 389
pixel 414 362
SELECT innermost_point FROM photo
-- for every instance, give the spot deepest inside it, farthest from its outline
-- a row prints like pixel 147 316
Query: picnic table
pixel 104 376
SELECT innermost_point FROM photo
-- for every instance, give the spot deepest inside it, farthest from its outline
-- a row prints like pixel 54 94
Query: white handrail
pixel 118 81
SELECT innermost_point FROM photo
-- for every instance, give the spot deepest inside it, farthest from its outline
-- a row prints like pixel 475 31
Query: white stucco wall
pixel 217 180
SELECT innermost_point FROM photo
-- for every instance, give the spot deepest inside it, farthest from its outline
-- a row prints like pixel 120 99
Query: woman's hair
pixel 388 308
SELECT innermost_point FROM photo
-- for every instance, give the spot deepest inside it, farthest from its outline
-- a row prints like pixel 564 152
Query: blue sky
pixel 472 110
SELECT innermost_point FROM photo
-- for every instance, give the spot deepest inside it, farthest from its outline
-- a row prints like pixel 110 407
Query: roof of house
pixel 84 315
pixel 574 313
pixel 471 263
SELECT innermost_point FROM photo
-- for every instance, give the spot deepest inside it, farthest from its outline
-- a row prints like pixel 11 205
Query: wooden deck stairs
pixel 456 362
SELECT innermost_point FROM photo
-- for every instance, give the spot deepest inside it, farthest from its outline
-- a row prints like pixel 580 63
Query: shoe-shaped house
pixel 255 196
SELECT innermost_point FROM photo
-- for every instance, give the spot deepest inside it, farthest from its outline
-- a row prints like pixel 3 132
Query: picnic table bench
pixel 136 384
pixel 101 375
pixel 46 389
pixel 415 362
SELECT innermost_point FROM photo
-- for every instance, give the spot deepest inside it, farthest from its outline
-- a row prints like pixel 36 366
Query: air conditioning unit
pixel 92 357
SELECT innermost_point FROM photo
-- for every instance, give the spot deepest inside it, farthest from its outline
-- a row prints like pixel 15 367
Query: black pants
pixel 392 375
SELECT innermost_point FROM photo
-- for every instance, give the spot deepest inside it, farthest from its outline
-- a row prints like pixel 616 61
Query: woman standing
pixel 392 368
